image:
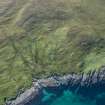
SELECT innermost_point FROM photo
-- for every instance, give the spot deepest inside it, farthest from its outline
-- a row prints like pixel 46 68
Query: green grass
pixel 94 61
pixel 52 38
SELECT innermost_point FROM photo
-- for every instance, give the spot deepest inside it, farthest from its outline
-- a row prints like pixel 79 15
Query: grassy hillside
pixel 39 38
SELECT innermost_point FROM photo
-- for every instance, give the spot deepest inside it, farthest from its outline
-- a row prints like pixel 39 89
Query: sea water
pixel 67 98
pixel 70 98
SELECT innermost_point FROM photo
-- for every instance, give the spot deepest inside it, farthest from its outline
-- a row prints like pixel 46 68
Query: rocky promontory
pixel 93 82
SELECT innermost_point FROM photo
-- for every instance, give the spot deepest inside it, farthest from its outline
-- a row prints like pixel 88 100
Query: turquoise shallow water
pixel 67 98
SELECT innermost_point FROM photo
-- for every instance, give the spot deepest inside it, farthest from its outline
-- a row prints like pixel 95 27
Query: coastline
pixel 93 82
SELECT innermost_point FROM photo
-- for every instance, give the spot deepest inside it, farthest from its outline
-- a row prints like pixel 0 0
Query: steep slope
pixel 39 38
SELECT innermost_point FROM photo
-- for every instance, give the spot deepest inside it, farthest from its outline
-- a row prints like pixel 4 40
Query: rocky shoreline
pixel 93 82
